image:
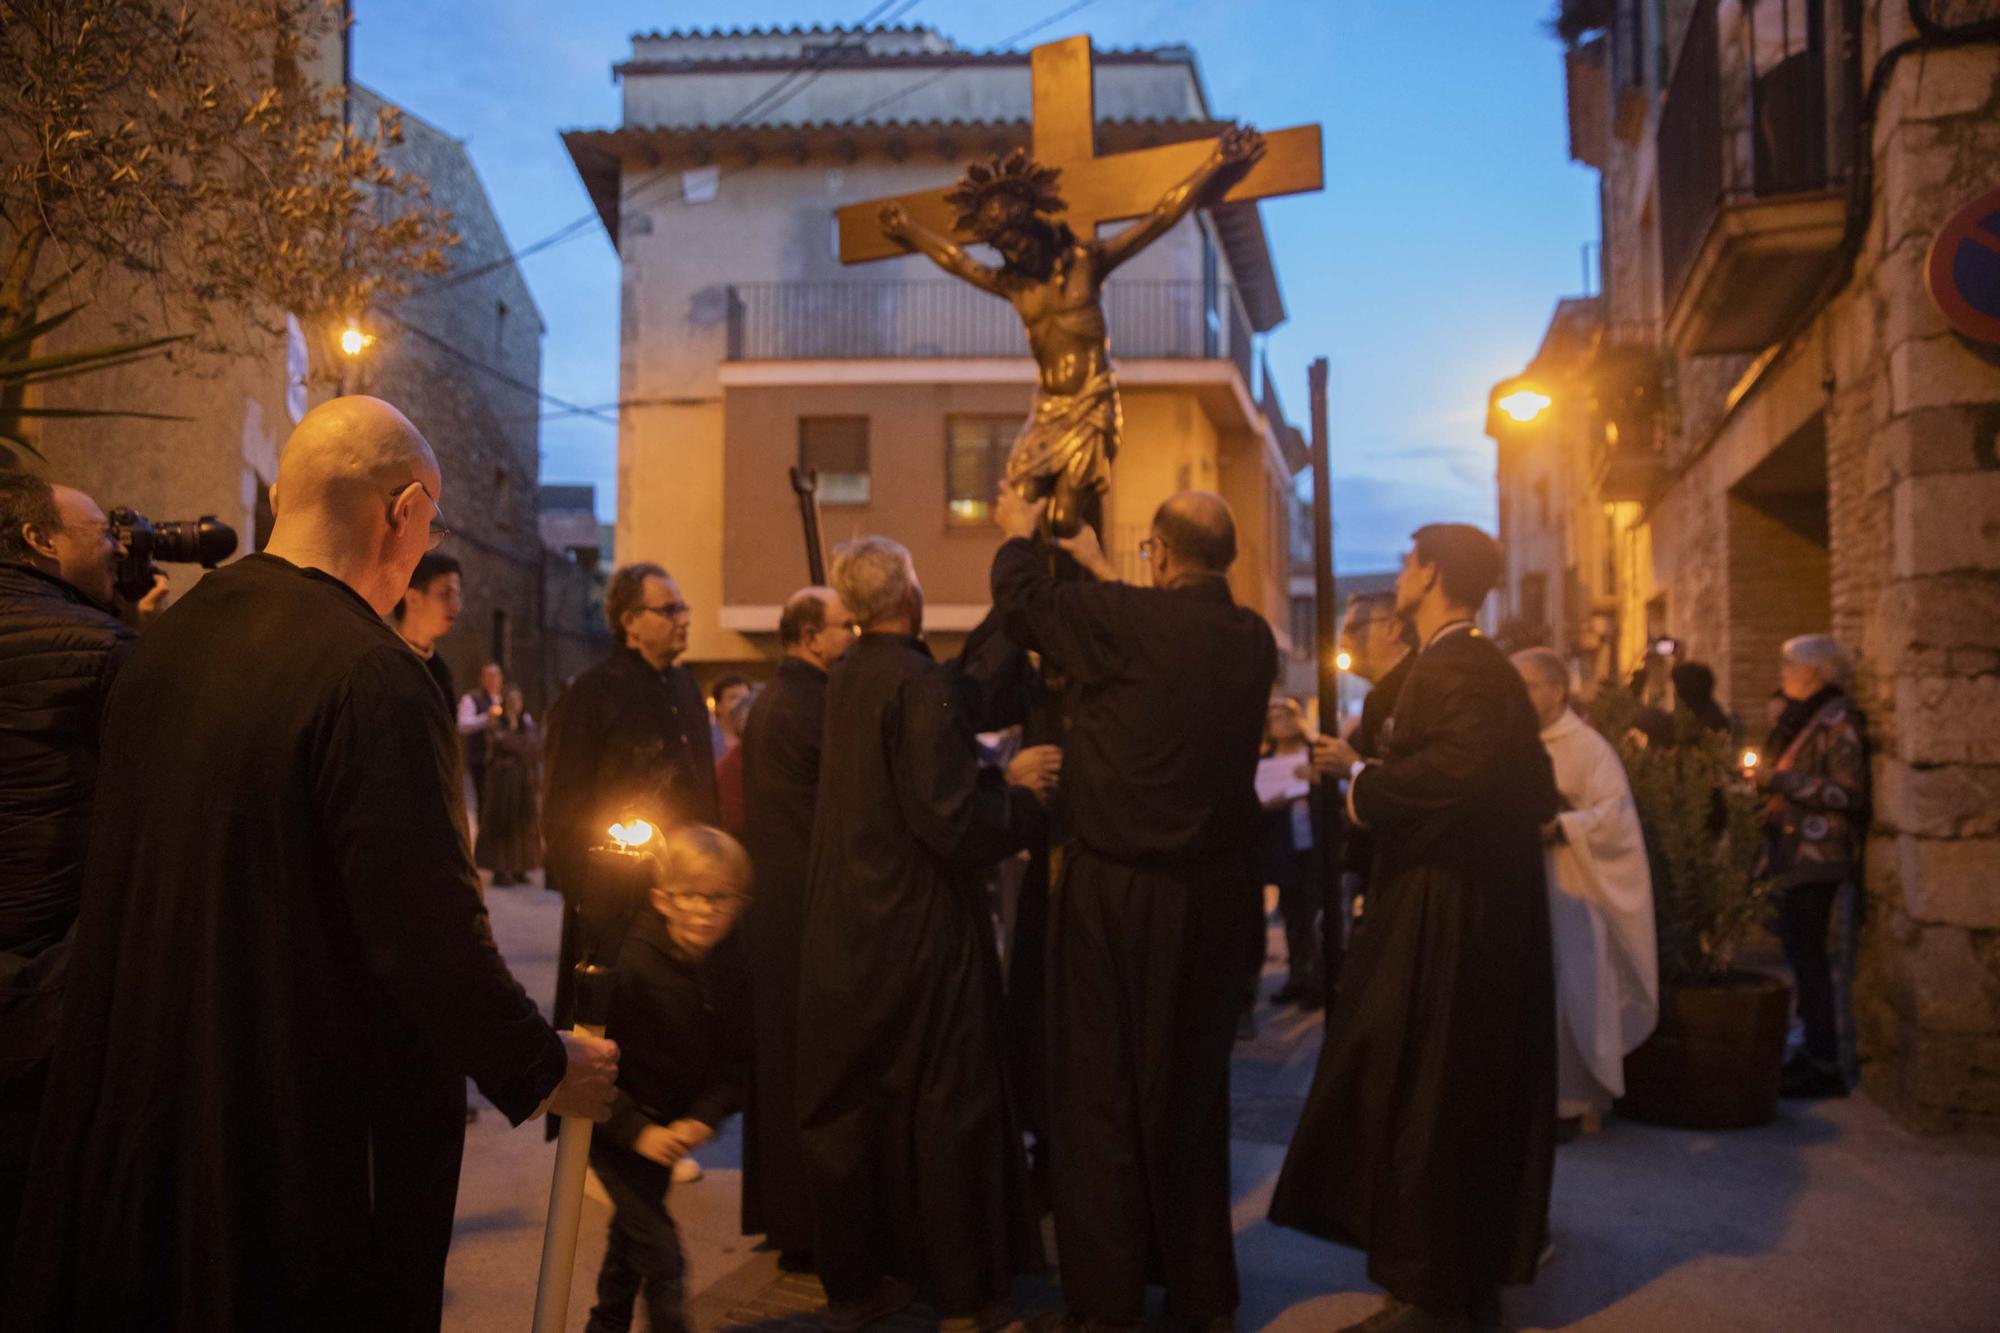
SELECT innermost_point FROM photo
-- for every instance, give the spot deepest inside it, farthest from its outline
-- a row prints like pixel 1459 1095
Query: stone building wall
pixel 464 363
pixel 1879 427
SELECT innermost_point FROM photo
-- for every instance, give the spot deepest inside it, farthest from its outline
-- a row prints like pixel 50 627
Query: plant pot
pixel 1714 1060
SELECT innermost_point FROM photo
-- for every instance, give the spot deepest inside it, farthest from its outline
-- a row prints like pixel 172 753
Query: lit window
pixel 975 460
pixel 837 449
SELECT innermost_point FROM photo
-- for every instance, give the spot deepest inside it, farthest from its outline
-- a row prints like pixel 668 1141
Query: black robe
pixel 282 977
pixel 624 740
pixel 1149 925
pixel 780 780
pixel 911 1144
pixel 1428 1138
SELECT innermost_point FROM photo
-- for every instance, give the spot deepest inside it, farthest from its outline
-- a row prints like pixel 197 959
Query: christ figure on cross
pixel 1055 282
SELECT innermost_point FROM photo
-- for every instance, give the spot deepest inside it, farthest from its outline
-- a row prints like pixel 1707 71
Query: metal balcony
pixel 1752 148
pixel 809 321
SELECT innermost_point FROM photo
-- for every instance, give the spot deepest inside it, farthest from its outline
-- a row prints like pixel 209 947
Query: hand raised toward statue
pixel 1038 768
pixel 1086 550
pixel 1240 146
pixel 587 1083
pixel 1017 515
pixel 895 220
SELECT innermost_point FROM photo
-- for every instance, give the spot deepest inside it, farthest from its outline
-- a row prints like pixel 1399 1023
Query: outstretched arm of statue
pixel 1235 153
pixel 899 226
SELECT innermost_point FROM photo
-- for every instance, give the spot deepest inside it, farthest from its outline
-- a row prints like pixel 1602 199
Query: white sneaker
pixel 686 1171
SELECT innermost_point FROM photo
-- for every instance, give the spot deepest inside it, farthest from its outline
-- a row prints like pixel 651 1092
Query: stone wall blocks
pixel 1953 992
pixel 1939 372
pixel 1948 719
pixel 1946 522
pixel 1944 801
pixel 1951 881
pixel 1946 610
pixel 1939 84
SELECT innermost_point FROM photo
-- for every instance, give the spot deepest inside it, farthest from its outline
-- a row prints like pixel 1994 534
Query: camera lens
pixel 203 541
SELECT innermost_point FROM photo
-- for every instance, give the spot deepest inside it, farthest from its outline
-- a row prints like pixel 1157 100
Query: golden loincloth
pixel 1069 438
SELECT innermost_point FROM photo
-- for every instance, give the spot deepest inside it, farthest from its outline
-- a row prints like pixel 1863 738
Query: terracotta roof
pixel 601 156
pixel 861 58
pixel 793 30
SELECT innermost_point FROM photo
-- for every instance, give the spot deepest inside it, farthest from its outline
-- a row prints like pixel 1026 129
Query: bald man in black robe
pixel 1428 1137
pixel 283 973
pixel 1149 921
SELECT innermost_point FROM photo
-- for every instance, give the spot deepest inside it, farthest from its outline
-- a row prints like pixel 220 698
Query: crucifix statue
pixel 1041 213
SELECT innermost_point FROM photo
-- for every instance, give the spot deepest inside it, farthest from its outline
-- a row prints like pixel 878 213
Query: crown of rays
pixel 1016 174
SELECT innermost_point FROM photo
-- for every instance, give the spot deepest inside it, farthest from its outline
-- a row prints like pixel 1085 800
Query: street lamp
pixel 1524 404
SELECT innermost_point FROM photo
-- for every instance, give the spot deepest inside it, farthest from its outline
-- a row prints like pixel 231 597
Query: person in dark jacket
pixel 628 739
pixel 1155 902
pixel 282 973
pixel 60 646
pixel 780 752
pixel 1815 779
pixel 680 1010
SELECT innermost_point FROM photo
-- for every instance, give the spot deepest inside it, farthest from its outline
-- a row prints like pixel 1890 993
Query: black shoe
pixel 891 1296
pixel 1568 1127
pixel 795 1261
pixel 1286 993
pixel 1806 1079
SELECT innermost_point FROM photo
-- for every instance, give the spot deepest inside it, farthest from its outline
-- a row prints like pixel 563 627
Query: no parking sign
pixel 1963 269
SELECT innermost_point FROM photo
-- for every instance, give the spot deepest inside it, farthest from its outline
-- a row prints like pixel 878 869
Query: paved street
pixel 1830 1218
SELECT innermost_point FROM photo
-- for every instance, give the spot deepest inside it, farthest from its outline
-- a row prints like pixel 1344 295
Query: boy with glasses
pixel 681 1007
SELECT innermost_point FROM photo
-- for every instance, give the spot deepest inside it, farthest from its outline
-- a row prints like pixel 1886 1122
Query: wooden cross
pixel 1097 189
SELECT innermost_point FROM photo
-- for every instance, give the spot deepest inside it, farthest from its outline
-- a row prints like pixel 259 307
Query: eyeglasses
pixel 687 900
pixel 670 610
pixel 438 530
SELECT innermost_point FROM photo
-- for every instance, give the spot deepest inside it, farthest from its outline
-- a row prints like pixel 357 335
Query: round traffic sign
pixel 1963 269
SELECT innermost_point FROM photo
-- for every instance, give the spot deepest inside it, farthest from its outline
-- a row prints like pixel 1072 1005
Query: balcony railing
pixel 801 321
pixel 1753 112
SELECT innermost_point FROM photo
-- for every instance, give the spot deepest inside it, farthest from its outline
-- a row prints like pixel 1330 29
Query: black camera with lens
pixel 203 541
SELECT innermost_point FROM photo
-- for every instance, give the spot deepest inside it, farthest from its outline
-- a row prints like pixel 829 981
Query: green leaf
pixel 87 357
pixel 22 339
pixel 76 412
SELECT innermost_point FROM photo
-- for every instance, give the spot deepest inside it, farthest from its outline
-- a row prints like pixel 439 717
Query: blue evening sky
pixel 1451 222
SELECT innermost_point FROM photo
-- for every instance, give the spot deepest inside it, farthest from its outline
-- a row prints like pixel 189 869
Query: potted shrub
pixel 1714 1060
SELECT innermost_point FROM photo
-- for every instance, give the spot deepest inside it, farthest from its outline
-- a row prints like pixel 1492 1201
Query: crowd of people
pixel 965 941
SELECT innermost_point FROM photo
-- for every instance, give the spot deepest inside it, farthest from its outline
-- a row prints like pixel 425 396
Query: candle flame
pixel 636 833
pixel 1343 661
pixel 1749 759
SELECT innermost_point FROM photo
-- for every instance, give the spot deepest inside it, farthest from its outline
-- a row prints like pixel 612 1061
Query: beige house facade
pixel 747 348
pixel 1763 425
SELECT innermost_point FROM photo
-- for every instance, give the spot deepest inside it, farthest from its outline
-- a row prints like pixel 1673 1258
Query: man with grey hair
pixel 781 760
pixel 1600 904
pixel 1816 781
pixel 1157 902
pixel 899 987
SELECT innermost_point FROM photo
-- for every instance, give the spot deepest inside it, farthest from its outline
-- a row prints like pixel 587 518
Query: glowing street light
pixel 353 342
pixel 1524 405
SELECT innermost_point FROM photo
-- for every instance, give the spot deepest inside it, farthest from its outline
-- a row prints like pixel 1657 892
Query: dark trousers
pixel 1145 968
pixel 20 1105
pixel 1298 905
pixel 643 1253
pixel 1804 911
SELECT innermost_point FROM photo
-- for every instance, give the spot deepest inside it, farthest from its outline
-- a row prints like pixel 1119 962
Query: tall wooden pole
pixel 1326 647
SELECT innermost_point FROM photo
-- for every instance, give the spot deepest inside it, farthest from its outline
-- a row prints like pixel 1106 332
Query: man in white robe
pixel 1600 903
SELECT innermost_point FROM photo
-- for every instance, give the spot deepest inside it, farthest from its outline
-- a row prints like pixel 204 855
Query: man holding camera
pixel 282 971
pixel 60 644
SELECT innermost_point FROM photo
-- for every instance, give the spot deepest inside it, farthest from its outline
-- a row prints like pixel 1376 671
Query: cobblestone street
pixel 1832 1217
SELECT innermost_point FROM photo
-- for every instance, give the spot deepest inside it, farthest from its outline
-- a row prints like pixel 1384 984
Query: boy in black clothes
pixel 680 1013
